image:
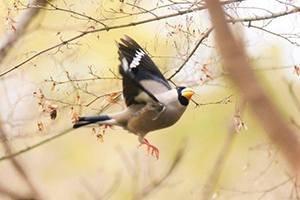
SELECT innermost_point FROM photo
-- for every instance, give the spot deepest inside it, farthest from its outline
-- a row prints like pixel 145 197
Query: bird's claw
pixel 154 150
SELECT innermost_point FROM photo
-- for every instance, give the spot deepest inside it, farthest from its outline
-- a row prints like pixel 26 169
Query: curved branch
pixel 178 13
pixel 108 28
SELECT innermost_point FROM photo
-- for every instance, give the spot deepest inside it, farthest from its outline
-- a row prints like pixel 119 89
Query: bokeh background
pixel 78 165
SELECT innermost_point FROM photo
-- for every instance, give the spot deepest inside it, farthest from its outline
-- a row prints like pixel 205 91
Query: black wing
pixel 140 74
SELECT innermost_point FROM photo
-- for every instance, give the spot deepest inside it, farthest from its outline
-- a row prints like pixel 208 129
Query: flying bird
pixel 151 102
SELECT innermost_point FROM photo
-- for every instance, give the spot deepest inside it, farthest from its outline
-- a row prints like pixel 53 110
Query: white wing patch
pixel 124 64
pixel 137 58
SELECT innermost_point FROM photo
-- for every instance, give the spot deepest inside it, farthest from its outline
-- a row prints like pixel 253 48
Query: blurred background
pixel 74 72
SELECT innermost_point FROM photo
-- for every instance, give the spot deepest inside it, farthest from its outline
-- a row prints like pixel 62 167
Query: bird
pixel 151 102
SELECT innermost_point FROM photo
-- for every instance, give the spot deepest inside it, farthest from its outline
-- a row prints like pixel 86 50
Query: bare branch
pixel 12 155
pixel 42 52
pixel 241 73
pixel 273 33
pixel 156 183
pixel 12 194
pixel 19 28
pixel 178 13
pixel 225 100
pixel 18 167
pixel 73 12
pixel 213 178
pixel 108 28
pixel 204 36
pixel 265 17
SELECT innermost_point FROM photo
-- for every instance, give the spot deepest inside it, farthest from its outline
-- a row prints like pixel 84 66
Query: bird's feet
pixel 154 150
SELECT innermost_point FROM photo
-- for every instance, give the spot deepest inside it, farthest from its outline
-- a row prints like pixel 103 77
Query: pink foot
pixel 150 147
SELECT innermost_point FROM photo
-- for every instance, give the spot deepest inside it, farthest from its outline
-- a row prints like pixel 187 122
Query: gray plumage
pixel 151 102
pixel 144 118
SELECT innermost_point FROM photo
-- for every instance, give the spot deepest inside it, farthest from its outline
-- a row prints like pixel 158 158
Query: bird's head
pixel 184 95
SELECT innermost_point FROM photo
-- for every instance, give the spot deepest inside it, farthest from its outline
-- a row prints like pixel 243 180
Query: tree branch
pixel 12 155
pixel 23 21
pixel 204 36
pixel 108 28
pixel 156 183
pixel 241 74
pixel 18 167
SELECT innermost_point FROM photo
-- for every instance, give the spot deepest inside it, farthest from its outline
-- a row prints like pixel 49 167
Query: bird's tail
pixel 83 121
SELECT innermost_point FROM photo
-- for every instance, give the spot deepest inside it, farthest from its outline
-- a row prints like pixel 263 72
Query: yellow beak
pixel 188 93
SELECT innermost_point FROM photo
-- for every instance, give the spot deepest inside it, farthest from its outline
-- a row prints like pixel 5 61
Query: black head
pixel 184 95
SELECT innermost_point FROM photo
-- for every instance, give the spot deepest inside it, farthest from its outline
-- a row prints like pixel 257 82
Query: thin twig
pixel 240 71
pixel 108 28
pixel 265 17
pixel 23 20
pixel 213 178
pixel 12 155
pixel 156 183
pixel 225 100
pixel 178 13
pixel 204 36
pixel 273 33
pixel 18 167
pixel 74 12
pixel 40 53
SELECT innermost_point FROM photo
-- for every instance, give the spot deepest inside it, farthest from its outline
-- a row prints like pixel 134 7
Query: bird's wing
pixel 141 77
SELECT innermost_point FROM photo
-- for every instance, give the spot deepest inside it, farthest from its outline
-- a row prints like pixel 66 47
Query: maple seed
pixel 78 99
pixel 114 94
pixel 100 137
pixel 111 100
pixel 40 126
pixel 53 114
pixel 75 116
pixel 53 86
pixel 296 70
pixel 71 110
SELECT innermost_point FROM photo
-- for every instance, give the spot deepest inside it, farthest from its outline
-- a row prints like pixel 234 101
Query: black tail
pixel 83 121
